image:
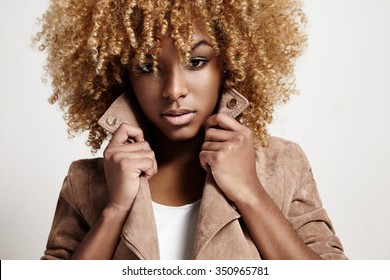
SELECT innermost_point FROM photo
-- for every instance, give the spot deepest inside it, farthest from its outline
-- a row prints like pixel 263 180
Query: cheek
pixel 207 83
pixel 144 90
pixel 138 85
pixel 210 89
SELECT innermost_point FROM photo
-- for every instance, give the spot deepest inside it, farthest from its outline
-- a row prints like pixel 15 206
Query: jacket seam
pixel 73 191
pixel 93 216
pixel 284 202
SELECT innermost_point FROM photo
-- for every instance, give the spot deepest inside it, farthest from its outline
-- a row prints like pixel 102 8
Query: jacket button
pixel 232 103
pixel 111 120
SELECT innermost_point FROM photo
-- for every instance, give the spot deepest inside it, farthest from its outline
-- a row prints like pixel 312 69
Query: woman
pixel 190 171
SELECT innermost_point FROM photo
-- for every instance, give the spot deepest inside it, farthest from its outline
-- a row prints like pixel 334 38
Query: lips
pixel 178 117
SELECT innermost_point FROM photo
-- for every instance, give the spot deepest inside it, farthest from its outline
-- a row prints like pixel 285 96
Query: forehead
pixel 199 34
pixel 197 37
pixel 181 39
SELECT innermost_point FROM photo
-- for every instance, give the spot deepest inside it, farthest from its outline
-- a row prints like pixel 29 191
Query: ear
pixel 122 110
pixel 232 103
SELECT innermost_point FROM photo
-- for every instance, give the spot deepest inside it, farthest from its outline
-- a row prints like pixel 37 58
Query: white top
pixel 176 230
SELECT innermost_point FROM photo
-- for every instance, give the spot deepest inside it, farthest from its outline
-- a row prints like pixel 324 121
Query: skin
pixel 172 90
pixel 207 142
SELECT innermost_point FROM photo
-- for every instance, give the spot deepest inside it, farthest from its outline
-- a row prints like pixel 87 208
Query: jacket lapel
pixel 122 110
pixel 215 212
pixel 139 232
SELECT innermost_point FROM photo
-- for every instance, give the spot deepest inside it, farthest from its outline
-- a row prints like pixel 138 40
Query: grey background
pixel 341 119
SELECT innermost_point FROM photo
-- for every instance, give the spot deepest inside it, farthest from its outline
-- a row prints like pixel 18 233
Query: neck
pixel 180 177
pixel 183 152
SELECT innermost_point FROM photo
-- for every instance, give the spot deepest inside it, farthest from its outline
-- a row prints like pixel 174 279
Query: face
pixel 177 99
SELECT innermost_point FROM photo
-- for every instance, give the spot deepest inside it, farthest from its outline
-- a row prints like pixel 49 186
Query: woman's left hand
pixel 228 152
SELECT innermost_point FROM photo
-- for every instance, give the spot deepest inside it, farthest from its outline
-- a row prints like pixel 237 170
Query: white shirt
pixel 176 229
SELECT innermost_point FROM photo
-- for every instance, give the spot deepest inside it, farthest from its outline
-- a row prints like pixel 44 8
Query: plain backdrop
pixel 341 120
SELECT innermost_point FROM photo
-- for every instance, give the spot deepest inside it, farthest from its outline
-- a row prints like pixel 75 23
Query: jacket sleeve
pixel 69 226
pixel 305 211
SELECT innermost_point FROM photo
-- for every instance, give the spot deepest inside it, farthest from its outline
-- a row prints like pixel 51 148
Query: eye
pixel 145 68
pixel 197 62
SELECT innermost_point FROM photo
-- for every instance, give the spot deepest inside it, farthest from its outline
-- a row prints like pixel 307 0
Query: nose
pixel 175 86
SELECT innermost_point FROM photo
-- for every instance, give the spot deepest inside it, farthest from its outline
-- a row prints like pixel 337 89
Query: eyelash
pixel 147 68
pixel 202 61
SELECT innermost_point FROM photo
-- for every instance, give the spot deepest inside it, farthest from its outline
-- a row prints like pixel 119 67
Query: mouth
pixel 178 117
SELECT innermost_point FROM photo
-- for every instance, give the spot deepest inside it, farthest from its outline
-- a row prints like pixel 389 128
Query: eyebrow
pixel 201 42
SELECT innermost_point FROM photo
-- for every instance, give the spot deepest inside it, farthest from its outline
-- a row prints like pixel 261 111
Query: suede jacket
pixel 282 168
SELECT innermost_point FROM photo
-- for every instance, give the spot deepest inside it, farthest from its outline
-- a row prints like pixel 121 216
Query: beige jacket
pixel 282 168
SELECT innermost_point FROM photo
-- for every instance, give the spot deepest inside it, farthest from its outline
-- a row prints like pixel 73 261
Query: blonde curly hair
pixel 90 43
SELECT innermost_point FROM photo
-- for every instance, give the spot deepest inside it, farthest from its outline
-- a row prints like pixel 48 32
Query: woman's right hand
pixel 124 163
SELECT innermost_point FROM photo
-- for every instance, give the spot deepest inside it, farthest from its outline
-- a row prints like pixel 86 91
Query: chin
pixel 183 134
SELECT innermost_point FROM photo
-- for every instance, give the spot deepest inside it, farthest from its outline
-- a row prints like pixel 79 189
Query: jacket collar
pixel 122 110
pixel 139 232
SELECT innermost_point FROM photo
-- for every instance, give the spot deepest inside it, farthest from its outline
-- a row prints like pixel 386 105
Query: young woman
pixel 184 90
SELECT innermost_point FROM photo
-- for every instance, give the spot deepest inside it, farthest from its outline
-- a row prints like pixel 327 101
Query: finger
pixel 146 166
pixel 208 159
pixel 212 146
pixel 111 150
pixel 203 159
pixel 131 147
pixel 149 172
pixel 126 132
pixel 223 121
pixel 217 135
pixel 132 155
pixel 141 166
pixel 121 155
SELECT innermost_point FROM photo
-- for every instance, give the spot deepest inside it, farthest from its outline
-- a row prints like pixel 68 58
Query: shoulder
pixel 283 168
pixel 85 187
pixel 282 146
pixel 85 172
pixel 86 166
pixel 280 151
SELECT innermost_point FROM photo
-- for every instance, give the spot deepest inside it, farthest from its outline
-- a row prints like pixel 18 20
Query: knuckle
pixel 121 127
pixel 116 158
pixel 248 132
pixel 240 138
pixel 145 146
pixel 137 130
pixel 202 155
pixel 150 154
pixel 209 132
pixel 218 157
pixel 149 162
pixel 219 117
pixel 230 146
pixel 107 153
